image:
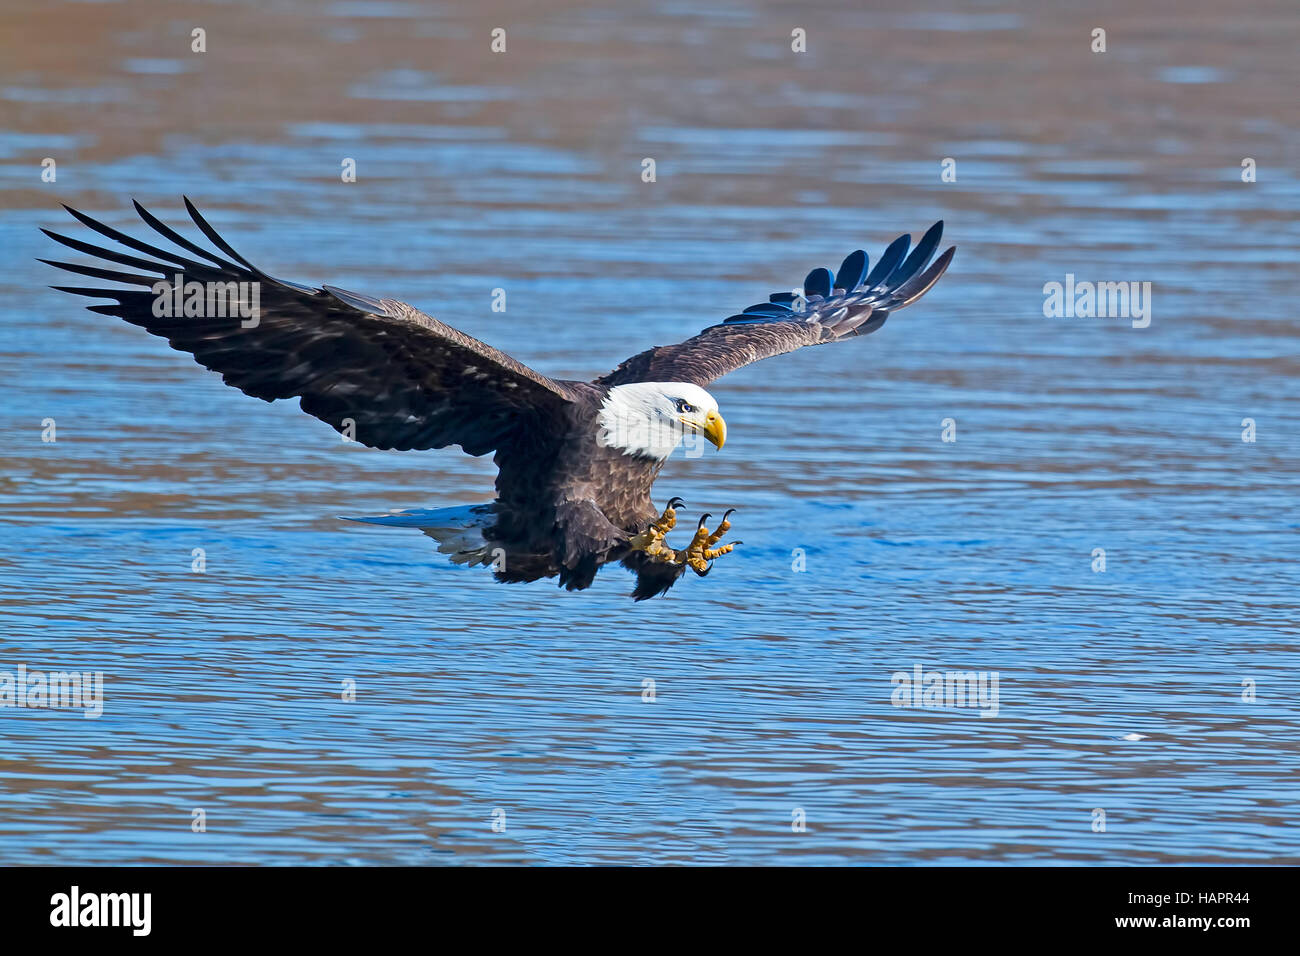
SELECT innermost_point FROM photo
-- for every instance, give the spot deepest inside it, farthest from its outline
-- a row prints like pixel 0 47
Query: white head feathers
pixel 652 418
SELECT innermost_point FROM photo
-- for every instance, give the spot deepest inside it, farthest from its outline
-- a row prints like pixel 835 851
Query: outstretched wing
pixel 831 307
pixel 393 376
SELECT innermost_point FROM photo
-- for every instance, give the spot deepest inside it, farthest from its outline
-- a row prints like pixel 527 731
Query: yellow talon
pixel 722 529
pixel 699 554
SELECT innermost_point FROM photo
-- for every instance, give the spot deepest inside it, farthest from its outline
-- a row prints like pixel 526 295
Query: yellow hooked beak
pixel 714 429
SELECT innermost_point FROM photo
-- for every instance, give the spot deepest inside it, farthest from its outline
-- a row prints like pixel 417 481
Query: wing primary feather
pixel 818 282
pixel 914 263
pixel 770 308
pixel 93 293
pixel 130 241
pixel 922 283
pixel 851 271
pixel 120 258
pixel 169 233
pixel 216 239
pixel 96 273
pixel 225 247
pixel 872 324
pixel 888 262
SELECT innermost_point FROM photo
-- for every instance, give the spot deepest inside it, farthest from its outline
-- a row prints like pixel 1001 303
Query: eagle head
pixel 651 418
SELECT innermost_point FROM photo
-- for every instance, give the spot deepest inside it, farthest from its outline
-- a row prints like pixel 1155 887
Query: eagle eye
pixel 684 406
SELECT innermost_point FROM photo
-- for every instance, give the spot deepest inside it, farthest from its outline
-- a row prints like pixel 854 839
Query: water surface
pixel 871 545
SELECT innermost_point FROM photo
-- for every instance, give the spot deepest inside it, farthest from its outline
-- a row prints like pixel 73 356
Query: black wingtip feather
pixel 215 238
pixel 96 273
pixel 926 280
pixel 92 293
pixel 889 261
pixel 818 282
pixel 916 262
pixel 130 241
pixel 158 226
pixel 120 258
pixel 851 271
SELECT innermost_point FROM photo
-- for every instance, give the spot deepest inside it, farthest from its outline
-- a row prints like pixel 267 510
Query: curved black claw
pixel 705 572
pixel 703 518
pixel 730 512
pixel 674 503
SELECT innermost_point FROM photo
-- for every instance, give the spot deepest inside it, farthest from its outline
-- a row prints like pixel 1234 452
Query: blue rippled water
pixel 514 724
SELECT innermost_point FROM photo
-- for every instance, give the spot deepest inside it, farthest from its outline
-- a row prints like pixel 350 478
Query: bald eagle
pixel 576 460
